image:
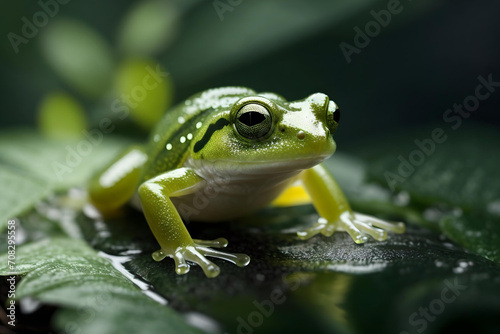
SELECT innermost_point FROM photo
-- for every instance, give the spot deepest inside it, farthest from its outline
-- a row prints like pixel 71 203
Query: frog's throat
pixel 233 167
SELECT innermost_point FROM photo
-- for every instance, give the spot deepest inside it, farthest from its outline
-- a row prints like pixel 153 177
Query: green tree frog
pixel 225 153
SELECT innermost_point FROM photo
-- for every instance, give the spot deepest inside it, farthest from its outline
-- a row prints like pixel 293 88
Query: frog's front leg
pixel 169 230
pixel 335 212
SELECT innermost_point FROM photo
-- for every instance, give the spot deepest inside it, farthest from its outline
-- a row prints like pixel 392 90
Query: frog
pixel 226 153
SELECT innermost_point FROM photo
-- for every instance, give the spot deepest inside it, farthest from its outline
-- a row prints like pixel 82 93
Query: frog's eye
pixel 332 117
pixel 253 121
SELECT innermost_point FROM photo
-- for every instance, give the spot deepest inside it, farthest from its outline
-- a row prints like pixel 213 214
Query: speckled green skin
pixel 208 107
pixel 224 153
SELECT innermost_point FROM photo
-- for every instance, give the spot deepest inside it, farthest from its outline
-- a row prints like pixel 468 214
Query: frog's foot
pixel 359 227
pixel 197 253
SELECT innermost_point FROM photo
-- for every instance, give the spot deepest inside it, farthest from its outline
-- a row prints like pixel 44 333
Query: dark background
pixel 424 61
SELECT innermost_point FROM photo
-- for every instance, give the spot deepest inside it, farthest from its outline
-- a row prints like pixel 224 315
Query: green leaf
pixel 323 283
pixel 61 164
pixel 319 285
pixel 94 296
pixel 454 184
pixel 32 166
pixel 79 55
pixel 21 192
pixel 477 232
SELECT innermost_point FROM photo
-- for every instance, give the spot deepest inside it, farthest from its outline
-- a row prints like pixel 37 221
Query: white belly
pixel 232 196
pixel 234 191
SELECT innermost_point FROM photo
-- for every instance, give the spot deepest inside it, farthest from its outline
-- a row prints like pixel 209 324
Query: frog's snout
pixel 326 110
pixel 318 99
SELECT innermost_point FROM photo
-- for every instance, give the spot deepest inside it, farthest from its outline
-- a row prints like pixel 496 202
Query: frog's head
pixel 265 132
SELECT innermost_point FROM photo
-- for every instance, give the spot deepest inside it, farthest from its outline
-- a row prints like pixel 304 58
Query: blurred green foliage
pixel 60 116
pixel 79 55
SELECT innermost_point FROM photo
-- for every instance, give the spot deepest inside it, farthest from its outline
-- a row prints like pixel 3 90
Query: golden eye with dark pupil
pixel 253 121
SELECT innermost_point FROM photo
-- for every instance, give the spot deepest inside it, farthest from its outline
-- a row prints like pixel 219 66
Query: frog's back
pixel 172 138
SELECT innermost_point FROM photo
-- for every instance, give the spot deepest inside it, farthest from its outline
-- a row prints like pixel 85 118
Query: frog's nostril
pixel 301 135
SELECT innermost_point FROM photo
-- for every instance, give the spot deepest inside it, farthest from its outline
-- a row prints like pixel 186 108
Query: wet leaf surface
pixel 95 297
pixel 321 285
pixel 24 191
pixel 32 166
pixel 456 186
pixel 425 279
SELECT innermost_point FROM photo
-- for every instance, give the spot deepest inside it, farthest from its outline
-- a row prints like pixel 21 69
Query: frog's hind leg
pixel 115 185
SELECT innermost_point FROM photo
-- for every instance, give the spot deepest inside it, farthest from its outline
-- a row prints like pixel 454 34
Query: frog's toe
pixel 197 253
pixel 328 228
pixel 397 227
pixel 159 255
pixel 181 267
pixel 217 243
pixel 193 254
pixel 357 225
pixel 240 260
pixel 310 232
pixel 322 226
pixel 374 232
pixel 349 225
